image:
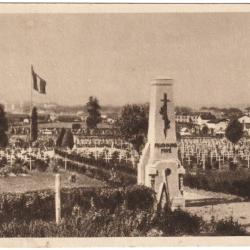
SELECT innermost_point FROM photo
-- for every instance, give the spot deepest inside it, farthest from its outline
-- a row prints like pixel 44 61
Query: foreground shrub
pixel 103 223
pixel 139 197
pixel 41 205
pixel 121 222
pixel 178 222
pixel 229 227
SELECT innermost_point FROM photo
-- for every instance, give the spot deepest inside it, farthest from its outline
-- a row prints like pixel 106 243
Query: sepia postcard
pixel 124 125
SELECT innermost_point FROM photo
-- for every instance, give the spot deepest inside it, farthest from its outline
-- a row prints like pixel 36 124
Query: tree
pixel 3 128
pixel 204 130
pixel 68 139
pixel 182 110
pixel 234 131
pixel 94 114
pixel 133 124
pixel 232 112
pixel 34 125
pixel 60 137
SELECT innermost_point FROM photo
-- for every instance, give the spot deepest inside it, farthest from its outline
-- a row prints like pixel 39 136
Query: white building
pixel 186 118
pixel 204 118
pixel 218 126
pixel 245 120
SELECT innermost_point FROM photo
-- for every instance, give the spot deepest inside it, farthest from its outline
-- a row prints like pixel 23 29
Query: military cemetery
pixel 126 147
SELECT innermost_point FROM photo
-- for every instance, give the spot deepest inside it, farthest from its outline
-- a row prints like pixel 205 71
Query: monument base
pixel 165 177
pixel 177 203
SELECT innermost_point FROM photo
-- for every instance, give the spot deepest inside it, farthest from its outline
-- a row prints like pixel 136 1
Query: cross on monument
pixel 164 113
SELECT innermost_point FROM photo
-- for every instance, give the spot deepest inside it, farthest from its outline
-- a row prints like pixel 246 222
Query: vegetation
pixel 3 128
pixel 182 110
pixel 34 125
pixel 232 113
pixel 94 114
pixel 232 182
pixel 133 124
pixel 40 165
pixel 234 131
pixel 228 227
pixel 40 204
pixel 121 222
pixel 204 130
pixel 109 172
pixel 17 168
pixel 60 137
pixel 68 139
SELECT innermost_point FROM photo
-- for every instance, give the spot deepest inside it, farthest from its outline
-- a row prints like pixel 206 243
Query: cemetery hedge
pixel 113 176
pixel 231 182
pixel 41 204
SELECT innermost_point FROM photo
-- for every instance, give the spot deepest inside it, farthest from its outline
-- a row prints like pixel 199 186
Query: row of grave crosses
pixel 26 155
pixel 193 146
pixel 107 154
pixel 95 142
pixel 214 149
pixel 203 158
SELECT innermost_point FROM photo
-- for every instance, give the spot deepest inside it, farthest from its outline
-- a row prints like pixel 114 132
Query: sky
pixel 115 56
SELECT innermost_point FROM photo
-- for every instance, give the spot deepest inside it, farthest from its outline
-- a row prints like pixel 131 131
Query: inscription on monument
pixel 165 147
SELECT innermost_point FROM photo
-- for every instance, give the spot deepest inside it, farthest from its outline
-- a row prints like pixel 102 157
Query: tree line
pixel 132 124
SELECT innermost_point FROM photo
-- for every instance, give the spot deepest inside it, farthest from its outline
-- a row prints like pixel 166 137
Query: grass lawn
pixel 43 180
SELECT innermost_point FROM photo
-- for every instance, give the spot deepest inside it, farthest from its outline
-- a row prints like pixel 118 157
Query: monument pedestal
pixel 159 167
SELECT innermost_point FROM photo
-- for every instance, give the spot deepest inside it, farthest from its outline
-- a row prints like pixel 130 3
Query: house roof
pixel 216 121
pixel 207 116
pixel 245 119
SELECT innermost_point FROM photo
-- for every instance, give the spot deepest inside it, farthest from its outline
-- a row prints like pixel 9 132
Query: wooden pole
pixel 30 158
pixel 58 198
pixel 31 104
pixel 65 165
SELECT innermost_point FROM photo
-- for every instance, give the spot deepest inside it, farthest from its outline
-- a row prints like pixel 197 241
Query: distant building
pixel 204 118
pixel 245 120
pixel 247 112
pixel 186 118
pixel 185 132
pixel 17 118
pixel 217 126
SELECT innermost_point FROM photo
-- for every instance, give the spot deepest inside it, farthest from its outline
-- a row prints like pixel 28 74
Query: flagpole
pixel 31 104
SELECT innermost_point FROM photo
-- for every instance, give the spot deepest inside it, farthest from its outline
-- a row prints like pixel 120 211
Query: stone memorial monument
pixel 159 166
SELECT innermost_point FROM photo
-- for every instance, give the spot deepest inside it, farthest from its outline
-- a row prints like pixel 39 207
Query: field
pixel 46 180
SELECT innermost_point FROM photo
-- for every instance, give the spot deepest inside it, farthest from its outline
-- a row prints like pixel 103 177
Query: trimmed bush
pixel 178 223
pixel 40 165
pixel 139 197
pixel 40 204
pixel 229 227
